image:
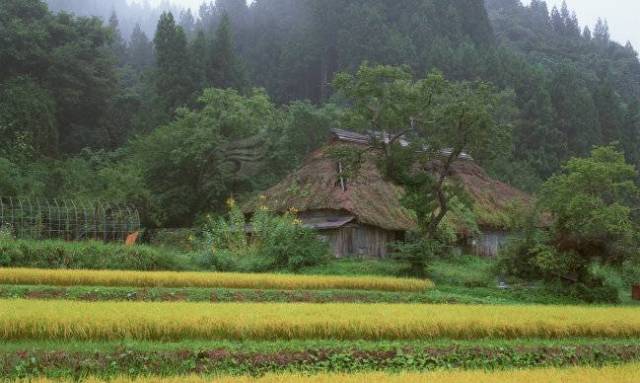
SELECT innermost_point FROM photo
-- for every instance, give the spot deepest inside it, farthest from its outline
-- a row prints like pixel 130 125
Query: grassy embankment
pixel 110 359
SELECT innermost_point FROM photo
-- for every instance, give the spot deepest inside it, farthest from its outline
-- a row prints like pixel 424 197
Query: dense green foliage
pixel 431 125
pixel 591 204
pixel 88 255
pixel 116 88
pixel 57 81
pixel 345 357
pixel 275 242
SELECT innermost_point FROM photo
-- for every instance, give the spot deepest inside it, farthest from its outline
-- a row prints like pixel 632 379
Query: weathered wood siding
pixel 360 241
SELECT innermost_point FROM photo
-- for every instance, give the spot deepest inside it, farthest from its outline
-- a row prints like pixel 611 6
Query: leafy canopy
pixel 590 206
pixel 593 205
pixel 422 128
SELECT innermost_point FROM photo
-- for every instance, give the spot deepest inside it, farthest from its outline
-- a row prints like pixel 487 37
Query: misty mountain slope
pixel 548 36
pixel 565 89
pixel 138 12
pixel 305 42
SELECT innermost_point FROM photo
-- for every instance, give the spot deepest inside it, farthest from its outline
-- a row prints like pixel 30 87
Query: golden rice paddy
pixel 618 374
pixel 205 280
pixel 67 320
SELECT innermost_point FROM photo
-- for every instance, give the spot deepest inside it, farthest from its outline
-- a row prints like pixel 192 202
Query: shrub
pixel 6 232
pixel 417 254
pixel 87 255
pixel 273 242
pixel 591 207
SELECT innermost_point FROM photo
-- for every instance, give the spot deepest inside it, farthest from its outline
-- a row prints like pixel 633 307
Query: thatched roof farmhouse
pixel 362 216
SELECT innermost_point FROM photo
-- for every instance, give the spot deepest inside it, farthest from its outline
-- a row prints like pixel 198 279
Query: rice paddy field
pixel 112 326
pixel 208 280
pixel 619 374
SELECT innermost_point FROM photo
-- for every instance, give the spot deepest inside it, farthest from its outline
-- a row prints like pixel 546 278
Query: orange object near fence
pixel 132 238
pixel 636 293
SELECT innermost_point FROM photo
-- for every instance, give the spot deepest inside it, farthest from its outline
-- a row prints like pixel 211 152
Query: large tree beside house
pixel 424 127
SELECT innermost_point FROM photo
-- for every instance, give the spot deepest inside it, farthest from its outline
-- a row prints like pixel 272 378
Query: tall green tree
pixel 591 206
pixel 140 51
pixel 424 128
pixel 174 82
pixel 195 163
pixel 117 44
pixel 28 122
pixel 199 50
pixel 68 68
pixel 225 69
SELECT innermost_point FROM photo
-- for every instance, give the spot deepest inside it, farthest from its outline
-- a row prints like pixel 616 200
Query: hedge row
pixel 88 255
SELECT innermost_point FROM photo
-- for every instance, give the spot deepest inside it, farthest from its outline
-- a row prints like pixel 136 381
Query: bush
pixel 274 242
pixel 594 293
pixel 87 255
pixel 417 254
pixel 6 232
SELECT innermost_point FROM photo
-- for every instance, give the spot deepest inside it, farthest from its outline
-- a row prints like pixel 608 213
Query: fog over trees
pixel 86 105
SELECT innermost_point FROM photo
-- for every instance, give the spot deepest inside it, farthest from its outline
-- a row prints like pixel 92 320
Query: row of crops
pixel 206 280
pixel 23 319
pixel 47 335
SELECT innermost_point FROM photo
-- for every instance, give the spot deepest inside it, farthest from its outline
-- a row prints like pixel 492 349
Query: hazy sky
pixel 623 15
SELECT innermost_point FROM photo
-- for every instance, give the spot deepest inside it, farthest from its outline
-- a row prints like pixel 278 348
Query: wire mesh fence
pixel 70 220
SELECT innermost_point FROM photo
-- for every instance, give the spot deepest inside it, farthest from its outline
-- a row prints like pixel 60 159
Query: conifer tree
pixel 557 22
pixel 601 32
pixel 187 21
pixel 199 57
pixel 225 70
pixel 174 84
pixel 140 50
pixel 118 45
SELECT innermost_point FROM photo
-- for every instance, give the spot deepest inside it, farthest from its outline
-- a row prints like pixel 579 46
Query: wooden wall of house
pixel 489 243
pixel 361 241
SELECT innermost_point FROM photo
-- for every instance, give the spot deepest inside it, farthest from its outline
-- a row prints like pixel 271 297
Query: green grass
pixel 349 266
pixel 106 360
pixel 470 279
pixel 299 345
pixel 441 294
pixel 463 270
pixel 92 255
pixel 466 271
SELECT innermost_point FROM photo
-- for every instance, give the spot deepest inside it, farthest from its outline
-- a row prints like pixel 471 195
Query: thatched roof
pixel 493 200
pixel 315 186
pixel 373 200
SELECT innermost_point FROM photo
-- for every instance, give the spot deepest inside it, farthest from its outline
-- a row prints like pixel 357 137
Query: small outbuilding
pixel 361 216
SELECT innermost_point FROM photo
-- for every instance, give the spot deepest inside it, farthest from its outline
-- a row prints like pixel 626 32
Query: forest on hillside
pixel 104 108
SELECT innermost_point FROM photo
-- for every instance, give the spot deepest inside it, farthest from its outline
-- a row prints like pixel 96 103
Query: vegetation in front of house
pixel 268 241
pixel 68 320
pixel 617 374
pixel 330 357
